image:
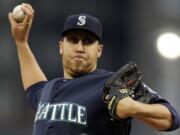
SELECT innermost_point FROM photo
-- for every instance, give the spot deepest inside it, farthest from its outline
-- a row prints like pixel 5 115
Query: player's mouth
pixel 79 57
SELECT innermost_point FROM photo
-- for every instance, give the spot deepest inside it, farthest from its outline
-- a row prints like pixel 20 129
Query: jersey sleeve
pixel 33 93
pixel 174 113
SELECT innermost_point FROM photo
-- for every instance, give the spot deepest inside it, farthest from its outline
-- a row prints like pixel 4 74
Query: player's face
pixel 80 51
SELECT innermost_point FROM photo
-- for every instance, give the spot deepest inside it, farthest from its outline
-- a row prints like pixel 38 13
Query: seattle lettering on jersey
pixel 65 111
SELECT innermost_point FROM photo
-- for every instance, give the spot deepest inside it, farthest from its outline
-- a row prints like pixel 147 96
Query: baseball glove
pixel 127 81
pixel 145 94
pixel 120 85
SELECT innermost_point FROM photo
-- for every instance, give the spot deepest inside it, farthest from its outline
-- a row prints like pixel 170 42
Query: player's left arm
pixel 157 116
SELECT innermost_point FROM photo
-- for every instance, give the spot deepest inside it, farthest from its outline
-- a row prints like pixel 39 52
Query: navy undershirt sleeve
pixel 33 93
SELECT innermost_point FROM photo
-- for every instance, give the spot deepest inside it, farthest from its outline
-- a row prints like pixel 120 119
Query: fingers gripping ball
pixel 18 14
pixel 120 85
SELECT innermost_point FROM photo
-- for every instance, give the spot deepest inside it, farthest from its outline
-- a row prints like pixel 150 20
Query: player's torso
pixel 74 107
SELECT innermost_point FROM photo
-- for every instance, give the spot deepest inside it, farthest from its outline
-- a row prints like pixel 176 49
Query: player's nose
pixel 80 47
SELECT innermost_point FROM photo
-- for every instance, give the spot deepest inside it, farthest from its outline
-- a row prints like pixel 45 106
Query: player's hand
pixel 20 31
pixel 124 107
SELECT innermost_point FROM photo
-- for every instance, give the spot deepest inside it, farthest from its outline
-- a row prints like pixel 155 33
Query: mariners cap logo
pixel 81 20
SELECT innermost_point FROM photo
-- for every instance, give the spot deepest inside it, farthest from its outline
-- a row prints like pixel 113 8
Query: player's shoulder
pixel 100 73
pixel 55 81
pixel 41 84
pixel 103 71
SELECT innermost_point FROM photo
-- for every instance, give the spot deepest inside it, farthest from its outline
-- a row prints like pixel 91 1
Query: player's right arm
pixel 30 70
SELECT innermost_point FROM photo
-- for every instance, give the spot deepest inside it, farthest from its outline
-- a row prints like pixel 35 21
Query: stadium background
pixel 130 30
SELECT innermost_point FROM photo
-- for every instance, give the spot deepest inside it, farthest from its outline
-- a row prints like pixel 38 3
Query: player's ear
pixel 60 46
pixel 100 49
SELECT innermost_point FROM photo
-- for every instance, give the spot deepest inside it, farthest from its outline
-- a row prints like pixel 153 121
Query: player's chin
pixel 80 68
pixel 79 64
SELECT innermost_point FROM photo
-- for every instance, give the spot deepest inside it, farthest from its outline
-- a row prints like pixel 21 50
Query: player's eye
pixel 88 40
pixel 73 39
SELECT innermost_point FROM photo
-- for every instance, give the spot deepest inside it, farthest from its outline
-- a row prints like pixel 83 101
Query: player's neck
pixel 69 74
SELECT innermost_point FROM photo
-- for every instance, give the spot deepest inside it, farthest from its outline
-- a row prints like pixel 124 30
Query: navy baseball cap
pixel 85 22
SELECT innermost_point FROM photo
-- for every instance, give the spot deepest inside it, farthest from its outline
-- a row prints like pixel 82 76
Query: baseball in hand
pixel 18 14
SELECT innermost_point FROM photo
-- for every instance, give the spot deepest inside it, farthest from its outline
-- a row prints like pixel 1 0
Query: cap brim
pixel 63 33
